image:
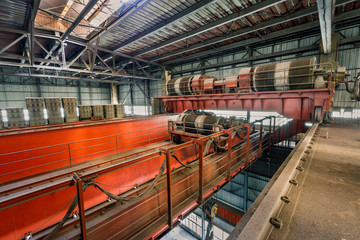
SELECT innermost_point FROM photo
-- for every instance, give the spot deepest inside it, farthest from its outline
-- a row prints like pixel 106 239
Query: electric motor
pixel 294 75
pixel 200 122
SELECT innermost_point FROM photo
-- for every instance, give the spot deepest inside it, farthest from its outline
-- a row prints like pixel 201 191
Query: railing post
pixel 69 153
pixel 284 79
pixel 274 132
pixel 168 178
pixel 247 143
pixel 290 131
pixel 81 207
pixel 228 177
pixel 270 134
pixel 201 157
pixel 261 138
pixel 116 141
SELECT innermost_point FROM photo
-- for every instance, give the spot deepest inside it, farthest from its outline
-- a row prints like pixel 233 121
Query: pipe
pixel 355 95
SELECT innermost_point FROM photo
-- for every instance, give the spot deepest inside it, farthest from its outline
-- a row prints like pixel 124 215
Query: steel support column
pixel 168 181
pixel 79 188
pixel 326 16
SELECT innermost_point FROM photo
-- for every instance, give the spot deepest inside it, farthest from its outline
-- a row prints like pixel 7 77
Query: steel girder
pixel 86 68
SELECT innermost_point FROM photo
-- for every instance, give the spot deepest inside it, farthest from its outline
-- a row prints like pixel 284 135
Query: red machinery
pixel 123 179
pixel 155 182
pixel 300 89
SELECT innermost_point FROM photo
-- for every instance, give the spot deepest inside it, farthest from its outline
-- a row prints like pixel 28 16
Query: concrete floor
pixel 326 204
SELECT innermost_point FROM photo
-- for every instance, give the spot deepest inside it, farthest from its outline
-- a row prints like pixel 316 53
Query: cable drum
pixel 200 123
pixel 263 79
pixel 301 73
pixel 297 74
pixel 179 86
pixel 281 76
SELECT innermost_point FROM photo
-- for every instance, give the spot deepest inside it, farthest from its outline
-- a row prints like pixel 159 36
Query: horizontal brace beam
pixel 84 44
pixel 76 70
pixel 118 82
pixel 75 65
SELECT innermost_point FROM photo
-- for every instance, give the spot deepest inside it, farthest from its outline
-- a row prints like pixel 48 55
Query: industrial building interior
pixel 179 119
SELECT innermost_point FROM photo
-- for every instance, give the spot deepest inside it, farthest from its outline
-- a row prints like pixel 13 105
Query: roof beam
pixel 83 44
pixel 326 16
pixel 34 8
pixel 71 28
pixel 292 30
pixel 183 14
pixel 38 75
pixel 78 19
pixel 228 19
pixel 56 69
pixel 135 9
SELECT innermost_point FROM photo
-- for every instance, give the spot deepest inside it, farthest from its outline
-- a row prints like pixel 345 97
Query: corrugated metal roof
pixel 158 10
pixel 153 12
pixel 13 14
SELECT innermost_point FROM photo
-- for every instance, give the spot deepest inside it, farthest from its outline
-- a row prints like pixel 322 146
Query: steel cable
pixel 144 193
pixel 67 215
pixel 176 158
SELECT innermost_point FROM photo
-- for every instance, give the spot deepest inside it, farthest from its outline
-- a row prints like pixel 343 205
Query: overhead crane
pixel 129 179
pixel 134 192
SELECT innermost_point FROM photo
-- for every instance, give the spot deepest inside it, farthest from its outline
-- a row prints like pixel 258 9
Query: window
pixel 137 110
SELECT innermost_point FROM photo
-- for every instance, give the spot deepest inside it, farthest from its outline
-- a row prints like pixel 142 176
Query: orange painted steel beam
pixel 43 149
pixel 79 187
pixel 127 170
pixel 295 104
pixel 28 189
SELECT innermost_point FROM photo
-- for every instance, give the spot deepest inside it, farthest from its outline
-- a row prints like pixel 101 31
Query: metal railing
pixel 70 153
pixel 207 171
